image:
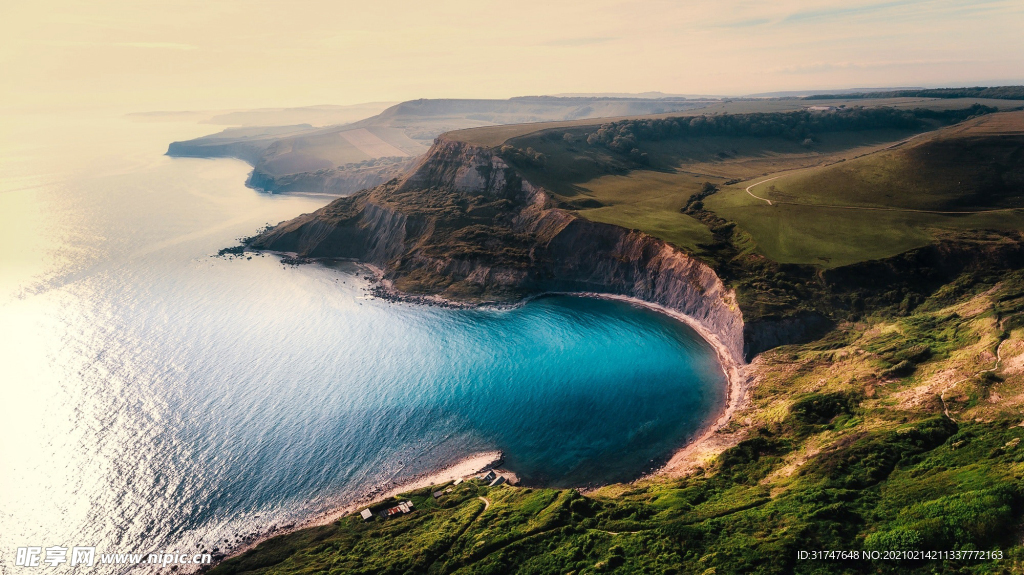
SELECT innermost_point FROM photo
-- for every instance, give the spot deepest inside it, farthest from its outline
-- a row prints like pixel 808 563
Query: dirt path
pixel 886 148
pixel 487 502
pixel 870 208
pixel 758 184
pixel 867 208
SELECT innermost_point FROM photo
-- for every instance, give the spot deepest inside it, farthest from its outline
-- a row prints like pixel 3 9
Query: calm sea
pixel 157 398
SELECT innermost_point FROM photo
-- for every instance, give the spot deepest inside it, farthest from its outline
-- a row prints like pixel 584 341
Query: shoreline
pixel 737 384
pixel 738 380
pixel 461 468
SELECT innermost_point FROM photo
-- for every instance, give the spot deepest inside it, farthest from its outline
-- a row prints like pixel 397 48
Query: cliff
pixel 342 180
pixel 466 226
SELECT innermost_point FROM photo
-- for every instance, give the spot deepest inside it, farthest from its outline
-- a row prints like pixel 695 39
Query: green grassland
pixel 970 167
pixel 877 205
pixel 892 175
pixel 604 188
pixel 831 237
pixel 843 445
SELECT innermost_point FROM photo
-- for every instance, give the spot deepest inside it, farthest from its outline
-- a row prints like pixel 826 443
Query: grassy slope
pixel 973 167
pixel 490 136
pixel 651 199
pixel 842 446
pixel 838 169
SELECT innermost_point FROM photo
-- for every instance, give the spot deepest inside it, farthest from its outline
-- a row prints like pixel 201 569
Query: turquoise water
pixel 158 398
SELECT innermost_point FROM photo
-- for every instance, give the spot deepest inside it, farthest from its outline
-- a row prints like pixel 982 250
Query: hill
pixel 346 158
pixel 842 445
pixel 491 136
pixel 961 178
pixel 876 400
pixel 652 190
pixel 996 92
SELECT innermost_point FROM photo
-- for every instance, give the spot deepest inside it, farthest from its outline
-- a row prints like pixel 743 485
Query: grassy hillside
pixel 898 429
pixel 875 206
pixel 843 445
pixel 491 136
pixel 816 175
pixel 950 172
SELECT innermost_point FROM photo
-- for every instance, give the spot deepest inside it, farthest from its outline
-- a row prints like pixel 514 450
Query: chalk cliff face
pixel 464 225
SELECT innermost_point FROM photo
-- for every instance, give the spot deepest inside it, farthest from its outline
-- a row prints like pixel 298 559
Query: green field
pixel 975 166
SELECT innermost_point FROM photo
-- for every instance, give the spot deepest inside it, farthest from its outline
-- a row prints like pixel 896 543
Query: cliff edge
pixel 466 226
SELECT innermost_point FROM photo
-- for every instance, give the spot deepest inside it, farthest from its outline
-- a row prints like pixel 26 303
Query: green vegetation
pixel 641 173
pixel 624 136
pixel 996 93
pixel 898 428
pixel 875 206
pixel 844 445
pixel 941 174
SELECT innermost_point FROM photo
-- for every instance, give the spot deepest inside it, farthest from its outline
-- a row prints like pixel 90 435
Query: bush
pixel 821 408
pixel 901 369
pixel 894 540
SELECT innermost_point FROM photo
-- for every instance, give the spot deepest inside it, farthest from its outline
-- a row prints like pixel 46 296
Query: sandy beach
pixel 462 468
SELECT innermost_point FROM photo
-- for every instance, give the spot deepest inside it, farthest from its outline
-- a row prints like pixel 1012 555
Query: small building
pixel 497 481
pixel 400 509
pixel 489 476
pixel 457 481
pixel 366 514
pixel 438 494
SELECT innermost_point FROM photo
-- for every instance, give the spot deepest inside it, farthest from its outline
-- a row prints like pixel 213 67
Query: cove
pixel 168 399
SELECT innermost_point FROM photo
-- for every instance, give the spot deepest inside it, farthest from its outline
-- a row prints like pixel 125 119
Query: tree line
pixel 995 93
pixel 625 135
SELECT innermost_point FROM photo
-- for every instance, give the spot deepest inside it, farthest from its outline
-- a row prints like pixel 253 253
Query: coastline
pixel 468 465
pixel 684 459
pixel 737 379
pixel 681 462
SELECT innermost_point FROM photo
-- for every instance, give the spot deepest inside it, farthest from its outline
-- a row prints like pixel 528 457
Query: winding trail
pixel 871 208
pixel 758 184
pixel 487 503
pixel 867 208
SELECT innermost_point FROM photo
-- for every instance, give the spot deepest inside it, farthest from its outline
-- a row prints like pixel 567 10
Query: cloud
pixel 156 45
pixel 845 11
pixel 917 8
pixel 818 67
pixel 578 41
pixel 744 23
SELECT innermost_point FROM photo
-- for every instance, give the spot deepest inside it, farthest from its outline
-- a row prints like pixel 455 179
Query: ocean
pixel 156 397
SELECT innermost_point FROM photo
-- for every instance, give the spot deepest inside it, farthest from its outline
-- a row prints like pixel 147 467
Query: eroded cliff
pixel 464 225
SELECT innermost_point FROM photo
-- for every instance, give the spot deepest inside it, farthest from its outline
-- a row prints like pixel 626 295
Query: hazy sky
pixel 190 54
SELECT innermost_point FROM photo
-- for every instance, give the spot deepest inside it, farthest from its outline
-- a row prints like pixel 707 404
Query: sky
pixel 140 55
